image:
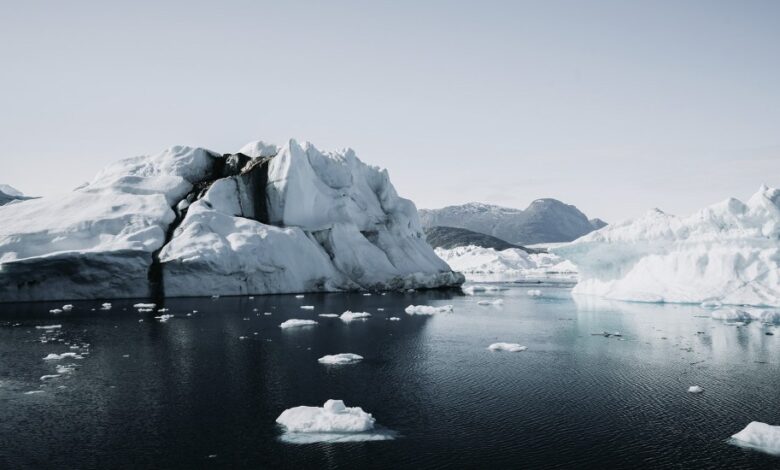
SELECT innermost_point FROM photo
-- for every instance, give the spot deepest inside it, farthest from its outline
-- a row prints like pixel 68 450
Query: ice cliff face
pixel 728 252
pixel 189 221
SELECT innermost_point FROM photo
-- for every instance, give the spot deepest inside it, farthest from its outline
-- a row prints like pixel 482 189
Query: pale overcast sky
pixel 614 106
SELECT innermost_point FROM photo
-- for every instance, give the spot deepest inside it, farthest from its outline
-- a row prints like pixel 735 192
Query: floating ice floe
pixel 333 422
pixel 759 436
pixel 144 305
pixel 307 307
pixel 67 307
pixel 65 369
pixel 293 323
pixel 695 389
pixel 328 315
pixel 48 327
pixel 535 293
pixel 510 347
pixel 427 309
pixel 164 318
pixel 58 357
pixel 491 302
pixel 395 319
pixel 55 310
pixel 338 359
pixel 299 296
pixel 105 306
pixel 49 377
pixel 473 289
pixel 351 316
pixel 33 392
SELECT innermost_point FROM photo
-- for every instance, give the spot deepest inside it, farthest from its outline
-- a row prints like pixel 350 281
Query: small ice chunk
pixel 367 294
pixel 67 307
pixel 57 357
pixel 695 389
pixel 535 293
pixel 162 310
pixel 49 376
pixel 48 327
pixel 380 309
pixel 307 307
pixel 760 436
pixel 427 309
pixel 55 310
pixel 299 296
pixel 395 319
pixel 61 369
pixel 293 323
pixel 731 314
pixel 33 392
pixel 328 315
pixel 333 417
pixel 143 305
pixel 343 358
pixel 164 318
pixel 351 316
pixel 215 296
pixel 105 306
pixel 266 313
pixel 491 302
pixel 711 304
pixel 511 347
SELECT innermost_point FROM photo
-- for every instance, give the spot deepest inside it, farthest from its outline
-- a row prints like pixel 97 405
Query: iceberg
pixel 513 264
pixel 760 436
pixel 192 222
pixel 333 416
pixel 510 347
pixel 728 253
pixel 338 359
pixel 427 309
pixel 294 323
pixel 351 316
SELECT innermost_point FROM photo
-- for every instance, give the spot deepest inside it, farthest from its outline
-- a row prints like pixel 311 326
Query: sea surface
pixel 204 390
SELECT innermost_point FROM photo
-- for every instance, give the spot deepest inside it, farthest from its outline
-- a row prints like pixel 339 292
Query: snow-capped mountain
pixel 544 221
pixel 726 253
pixel 191 222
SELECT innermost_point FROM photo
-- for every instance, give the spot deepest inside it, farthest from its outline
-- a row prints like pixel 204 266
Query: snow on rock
pixel 338 359
pixel 759 436
pixel 510 347
pixel 332 417
pixel 487 264
pixel 351 316
pixel 190 222
pixel 727 253
pixel 293 323
pixel 427 309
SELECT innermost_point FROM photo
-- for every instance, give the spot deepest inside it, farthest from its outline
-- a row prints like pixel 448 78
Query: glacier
pixel 727 253
pixel 192 222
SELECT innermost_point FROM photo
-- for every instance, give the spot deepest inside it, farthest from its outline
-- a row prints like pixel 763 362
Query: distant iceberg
pixel 193 222
pixel 728 253
pixel 513 264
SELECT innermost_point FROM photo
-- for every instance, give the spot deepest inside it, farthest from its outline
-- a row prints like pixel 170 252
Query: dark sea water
pixel 189 393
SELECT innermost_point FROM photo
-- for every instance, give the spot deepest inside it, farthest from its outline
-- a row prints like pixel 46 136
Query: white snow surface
pixel 489 265
pixel 338 359
pixel 759 436
pixel 727 253
pixel 333 223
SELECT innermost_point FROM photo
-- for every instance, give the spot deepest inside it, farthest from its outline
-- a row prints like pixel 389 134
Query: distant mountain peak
pixel 545 220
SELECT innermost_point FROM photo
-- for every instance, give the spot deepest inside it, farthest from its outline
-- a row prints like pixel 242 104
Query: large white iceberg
pixel 727 253
pixel 513 264
pixel 760 436
pixel 191 222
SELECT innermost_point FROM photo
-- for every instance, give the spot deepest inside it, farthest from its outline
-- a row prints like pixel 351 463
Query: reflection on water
pixel 207 388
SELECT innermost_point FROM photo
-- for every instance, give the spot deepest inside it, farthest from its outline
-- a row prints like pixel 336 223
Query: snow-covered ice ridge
pixel 487 264
pixel 727 253
pixel 191 222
